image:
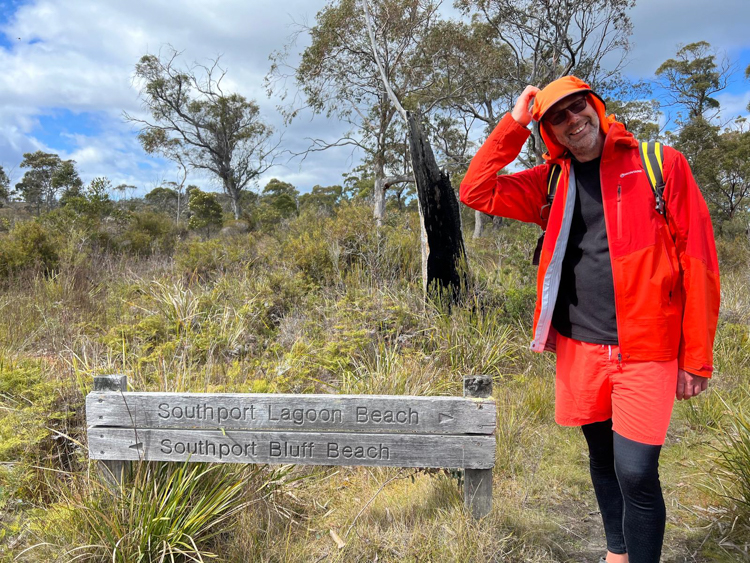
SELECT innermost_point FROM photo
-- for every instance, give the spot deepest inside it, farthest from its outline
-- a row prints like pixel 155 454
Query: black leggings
pixel 626 482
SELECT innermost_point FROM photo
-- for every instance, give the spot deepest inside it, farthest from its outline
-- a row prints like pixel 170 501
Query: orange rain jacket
pixel 666 273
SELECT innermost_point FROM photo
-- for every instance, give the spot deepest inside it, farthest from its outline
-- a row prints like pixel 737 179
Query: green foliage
pixel 162 199
pixel 205 211
pixel 265 217
pixel 32 406
pixel 693 77
pixel 216 256
pixel 475 342
pixel 47 175
pixel 640 117
pixel 732 476
pixel 327 249
pixel 519 304
pixel 698 140
pixel 93 202
pixel 282 196
pixel 359 184
pixel 733 246
pixel 322 198
pixel 721 165
pixel 28 245
pixel 148 232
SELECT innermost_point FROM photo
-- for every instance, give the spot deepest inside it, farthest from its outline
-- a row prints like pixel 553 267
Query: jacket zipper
pixel 553 270
pixel 611 261
pixel 619 211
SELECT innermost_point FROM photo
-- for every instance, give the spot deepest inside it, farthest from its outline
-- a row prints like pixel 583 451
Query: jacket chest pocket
pixel 636 219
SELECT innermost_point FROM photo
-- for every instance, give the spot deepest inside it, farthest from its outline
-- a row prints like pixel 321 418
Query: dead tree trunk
pixel 478 224
pixel 446 261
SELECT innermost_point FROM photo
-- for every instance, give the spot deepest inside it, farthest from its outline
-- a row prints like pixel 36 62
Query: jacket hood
pixel 553 93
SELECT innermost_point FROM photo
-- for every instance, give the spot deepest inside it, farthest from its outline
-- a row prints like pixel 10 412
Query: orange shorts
pixel 593 385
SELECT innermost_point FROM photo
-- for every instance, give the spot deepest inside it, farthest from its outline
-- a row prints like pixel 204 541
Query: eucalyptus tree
pixel 338 76
pixel 693 77
pixel 194 121
pixel 205 211
pixel 47 175
pixel 543 40
pixel 719 160
pixel 471 85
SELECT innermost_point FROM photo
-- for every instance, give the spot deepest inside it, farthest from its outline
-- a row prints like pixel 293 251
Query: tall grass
pixel 324 303
pixel 166 512
pixel 730 477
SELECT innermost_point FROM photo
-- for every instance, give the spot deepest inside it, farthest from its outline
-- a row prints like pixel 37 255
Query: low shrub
pixel 35 411
pixel 216 256
pixel 28 245
pixel 147 233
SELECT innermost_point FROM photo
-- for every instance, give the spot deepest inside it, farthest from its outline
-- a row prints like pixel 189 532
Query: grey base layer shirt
pixel 585 306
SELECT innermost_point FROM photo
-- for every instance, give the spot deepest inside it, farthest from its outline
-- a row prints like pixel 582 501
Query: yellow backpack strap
pixel 652 158
pixel 552 182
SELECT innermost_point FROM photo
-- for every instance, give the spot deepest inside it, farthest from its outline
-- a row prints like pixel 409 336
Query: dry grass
pixel 295 313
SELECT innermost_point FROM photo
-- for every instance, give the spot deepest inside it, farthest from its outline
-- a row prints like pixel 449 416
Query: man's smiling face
pixel 577 132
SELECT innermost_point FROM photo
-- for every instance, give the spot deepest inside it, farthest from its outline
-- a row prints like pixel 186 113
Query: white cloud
pixel 733 105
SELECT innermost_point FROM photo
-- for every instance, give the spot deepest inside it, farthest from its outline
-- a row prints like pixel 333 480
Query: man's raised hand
pixel 521 112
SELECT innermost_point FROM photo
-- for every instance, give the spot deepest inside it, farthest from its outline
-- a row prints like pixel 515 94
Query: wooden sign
pixel 308 448
pixel 401 431
pixel 371 430
pixel 303 413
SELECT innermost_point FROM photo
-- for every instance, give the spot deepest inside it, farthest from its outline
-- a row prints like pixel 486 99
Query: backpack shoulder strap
pixel 652 158
pixel 552 182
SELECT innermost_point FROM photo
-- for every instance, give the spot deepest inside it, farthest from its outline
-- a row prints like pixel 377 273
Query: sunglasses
pixel 557 117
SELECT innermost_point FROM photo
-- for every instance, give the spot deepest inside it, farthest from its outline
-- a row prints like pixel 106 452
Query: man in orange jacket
pixel 627 295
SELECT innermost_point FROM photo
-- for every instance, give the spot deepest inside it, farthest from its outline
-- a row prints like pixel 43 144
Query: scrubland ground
pixel 324 303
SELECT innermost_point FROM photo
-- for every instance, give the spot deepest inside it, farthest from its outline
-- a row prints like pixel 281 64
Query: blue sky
pixel 67 73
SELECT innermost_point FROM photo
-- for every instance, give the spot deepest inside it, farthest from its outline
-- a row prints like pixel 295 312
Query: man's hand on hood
pixel 521 112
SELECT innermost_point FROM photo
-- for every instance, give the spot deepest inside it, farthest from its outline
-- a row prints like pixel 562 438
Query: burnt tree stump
pixel 446 260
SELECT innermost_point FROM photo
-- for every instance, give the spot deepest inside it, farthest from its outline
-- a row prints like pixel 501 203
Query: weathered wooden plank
pixel 478 482
pixel 113 471
pixel 306 448
pixel 339 413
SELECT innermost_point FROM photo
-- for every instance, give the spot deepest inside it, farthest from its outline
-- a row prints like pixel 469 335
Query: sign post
pixel 113 470
pixel 478 482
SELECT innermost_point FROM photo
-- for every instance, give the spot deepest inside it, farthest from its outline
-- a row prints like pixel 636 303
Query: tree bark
pixel 446 261
pixel 378 209
pixel 424 247
pixel 478 224
pixel 235 195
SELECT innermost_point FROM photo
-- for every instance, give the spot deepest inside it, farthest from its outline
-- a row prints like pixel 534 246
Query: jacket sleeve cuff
pixel 702 371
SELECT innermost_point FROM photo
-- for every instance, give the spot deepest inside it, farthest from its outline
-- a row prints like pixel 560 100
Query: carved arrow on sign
pixel 136 446
pixel 443 418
